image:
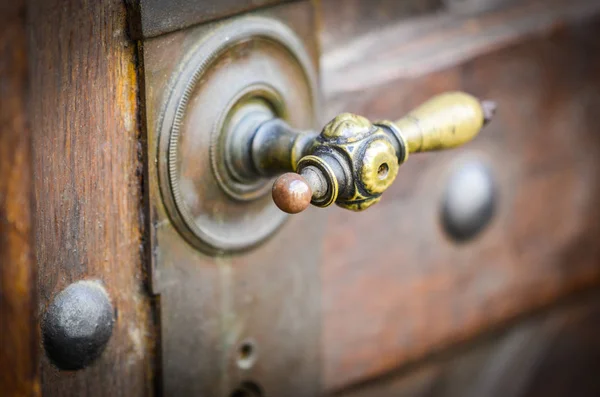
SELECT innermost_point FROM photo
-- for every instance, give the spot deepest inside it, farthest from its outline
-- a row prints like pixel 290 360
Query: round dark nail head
pixel 469 200
pixel 77 325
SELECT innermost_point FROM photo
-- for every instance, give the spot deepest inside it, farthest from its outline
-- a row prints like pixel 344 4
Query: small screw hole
pixel 246 350
pixel 383 170
pixel 246 354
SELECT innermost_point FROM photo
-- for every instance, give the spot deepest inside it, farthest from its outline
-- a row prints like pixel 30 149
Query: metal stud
pixel 469 200
pixel 77 325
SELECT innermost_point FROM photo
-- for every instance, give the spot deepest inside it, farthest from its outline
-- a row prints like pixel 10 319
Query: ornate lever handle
pixel 352 161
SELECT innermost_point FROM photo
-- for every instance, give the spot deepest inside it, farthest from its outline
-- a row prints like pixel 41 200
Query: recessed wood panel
pixel 395 287
pixel 549 353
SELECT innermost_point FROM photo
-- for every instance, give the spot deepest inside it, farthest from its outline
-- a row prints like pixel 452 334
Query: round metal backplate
pixel 250 65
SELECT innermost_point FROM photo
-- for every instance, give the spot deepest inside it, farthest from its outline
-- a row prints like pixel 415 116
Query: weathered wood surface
pixel 88 184
pixel 552 353
pixel 395 287
pixel 398 40
pixel 18 328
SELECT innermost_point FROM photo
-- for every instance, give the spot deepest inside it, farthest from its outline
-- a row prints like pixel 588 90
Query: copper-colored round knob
pixel 291 193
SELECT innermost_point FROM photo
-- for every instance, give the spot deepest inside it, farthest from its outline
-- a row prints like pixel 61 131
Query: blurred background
pixel 481 282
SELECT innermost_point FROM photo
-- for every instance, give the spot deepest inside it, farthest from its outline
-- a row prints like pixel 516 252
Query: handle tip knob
pixel 291 193
pixel 489 109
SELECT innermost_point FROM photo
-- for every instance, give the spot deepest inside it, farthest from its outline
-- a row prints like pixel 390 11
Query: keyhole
pixel 383 170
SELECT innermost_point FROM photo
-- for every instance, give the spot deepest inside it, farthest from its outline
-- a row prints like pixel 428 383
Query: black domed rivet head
pixel 469 200
pixel 77 325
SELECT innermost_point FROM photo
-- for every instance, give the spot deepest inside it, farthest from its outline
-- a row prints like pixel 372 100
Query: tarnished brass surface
pixel 246 72
pixel 157 17
pixel 444 122
pixel 213 301
pixel 366 156
pixel 353 161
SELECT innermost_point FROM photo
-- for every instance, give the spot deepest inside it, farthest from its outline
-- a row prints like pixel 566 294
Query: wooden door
pixel 397 289
pixel 18 324
pixel 387 302
pixel 88 184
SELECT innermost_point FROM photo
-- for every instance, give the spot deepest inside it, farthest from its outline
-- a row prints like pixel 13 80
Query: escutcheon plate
pixel 249 65
pixel 212 301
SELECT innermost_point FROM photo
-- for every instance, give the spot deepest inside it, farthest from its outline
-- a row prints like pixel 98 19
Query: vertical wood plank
pixel 88 183
pixel 18 330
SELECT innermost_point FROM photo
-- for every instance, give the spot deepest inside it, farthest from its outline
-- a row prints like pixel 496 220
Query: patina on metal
pixel 77 325
pixel 157 17
pixel 233 320
pixel 240 76
pixel 352 161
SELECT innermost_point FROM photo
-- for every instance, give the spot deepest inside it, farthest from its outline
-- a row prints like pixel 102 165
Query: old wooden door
pixel 475 275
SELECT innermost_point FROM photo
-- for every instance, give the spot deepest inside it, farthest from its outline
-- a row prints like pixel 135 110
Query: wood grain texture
pixel 88 183
pixel 346 20
pixel 395 287
pixel 550 353
pixel 18 328
pixel 408 48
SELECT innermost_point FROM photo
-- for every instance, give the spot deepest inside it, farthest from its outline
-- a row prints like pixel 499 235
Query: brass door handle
pixel 352 161
pixel 225 139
